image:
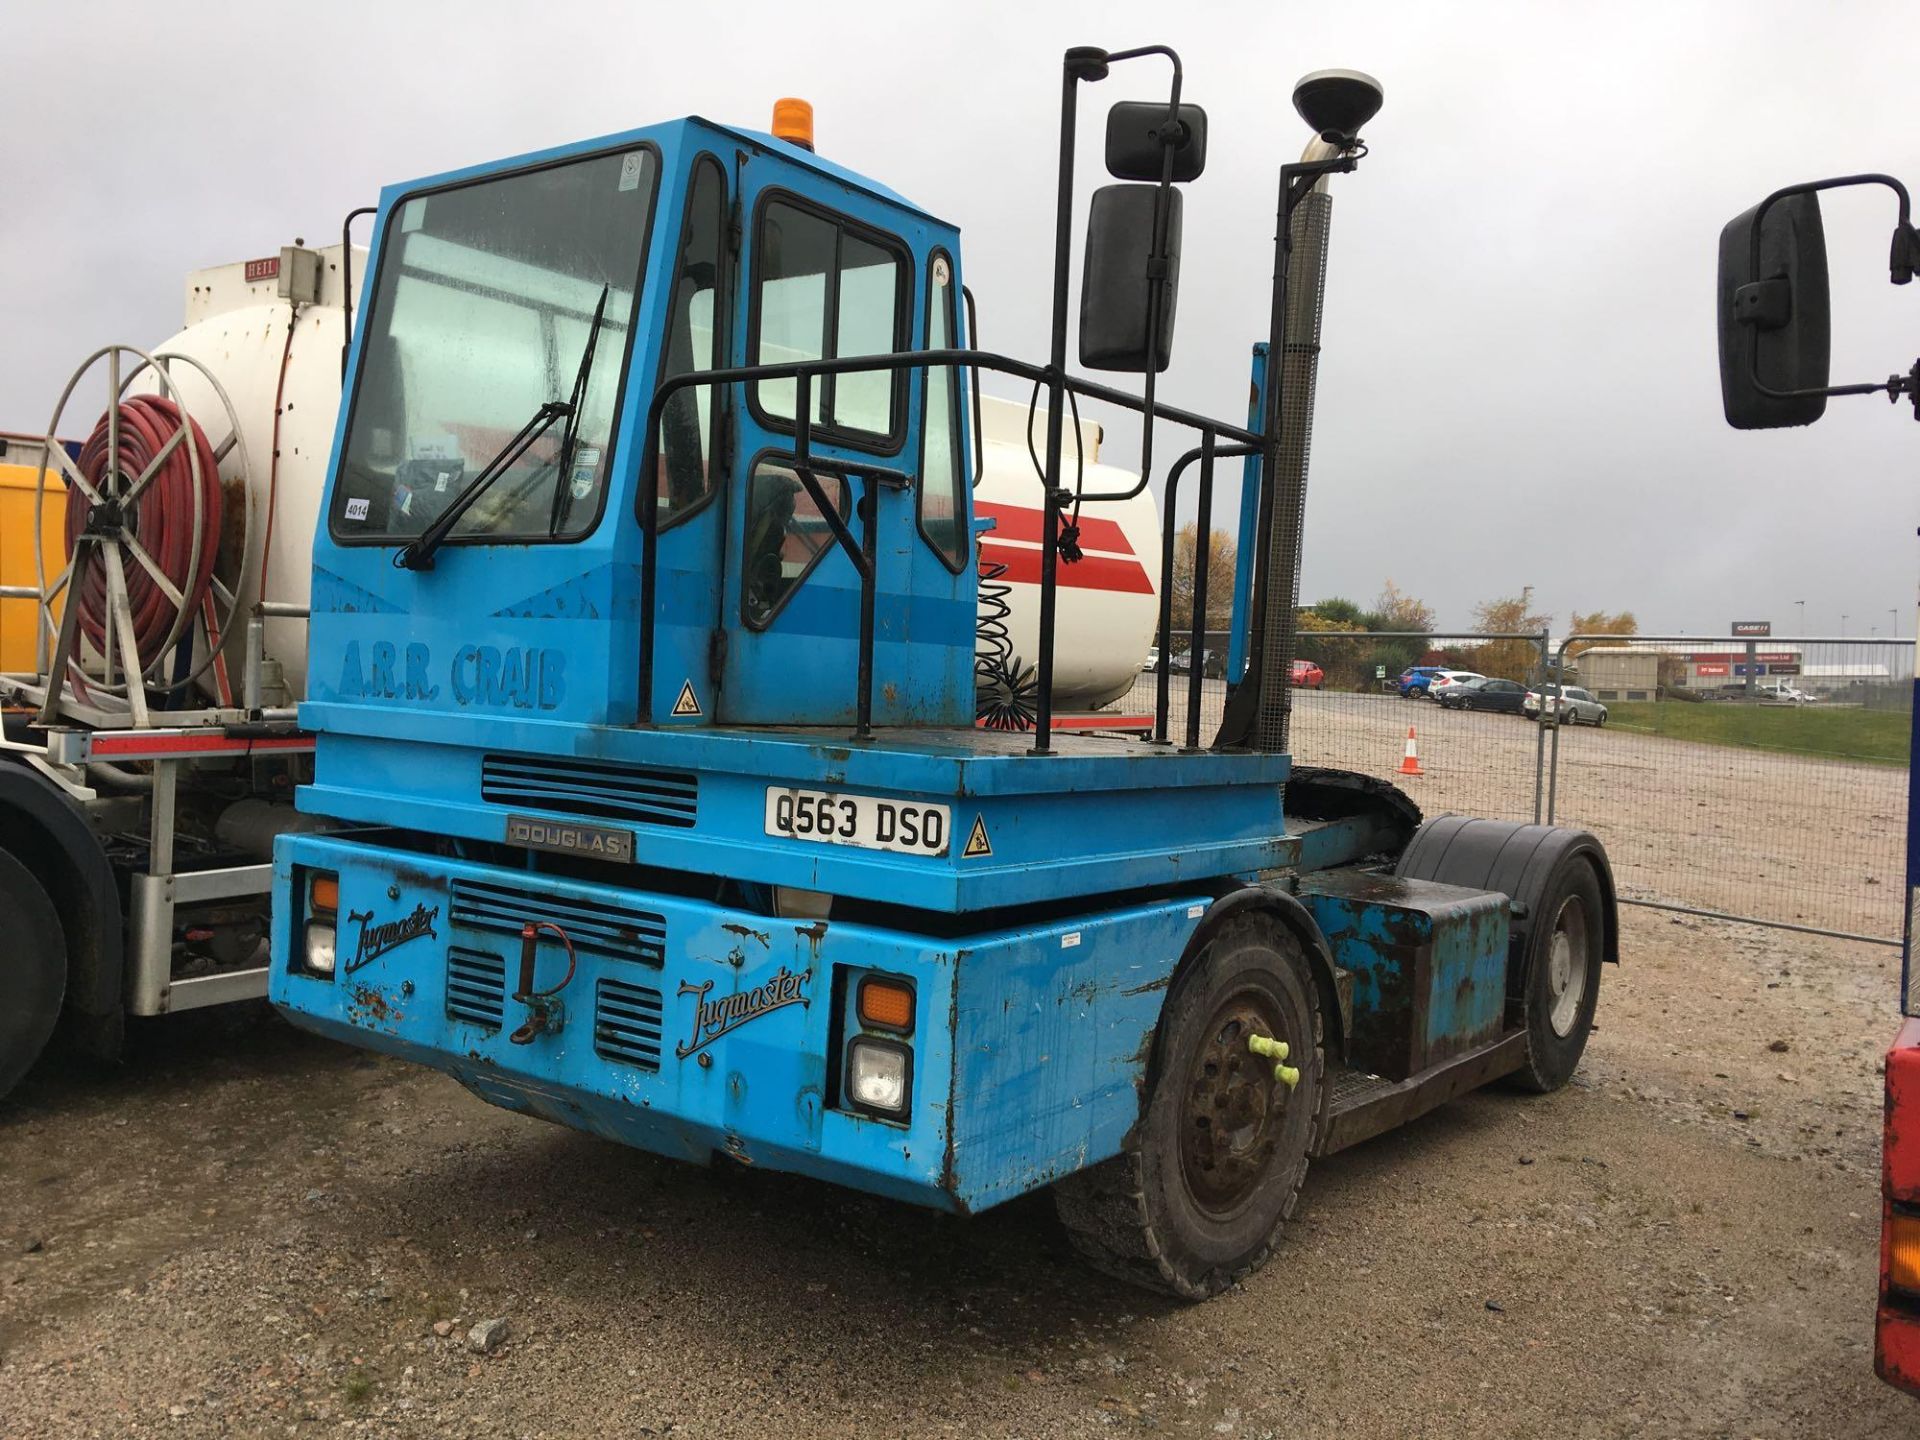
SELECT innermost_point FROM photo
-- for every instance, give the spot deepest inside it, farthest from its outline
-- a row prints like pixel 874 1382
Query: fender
pixel 1336 998
pixel 1515 860
pixel 46 832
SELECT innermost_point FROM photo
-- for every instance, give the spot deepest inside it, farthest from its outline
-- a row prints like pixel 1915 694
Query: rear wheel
pixel 1563 976
pixel 1207 1178
pixel 33 970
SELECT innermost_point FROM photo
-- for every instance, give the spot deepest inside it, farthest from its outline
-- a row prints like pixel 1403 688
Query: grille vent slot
pixel 476 986
pixel 626 1023
pixel 592 788
pixel 611 930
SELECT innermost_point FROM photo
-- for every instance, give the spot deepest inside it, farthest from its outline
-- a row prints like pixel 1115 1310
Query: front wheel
pixel 1206 1180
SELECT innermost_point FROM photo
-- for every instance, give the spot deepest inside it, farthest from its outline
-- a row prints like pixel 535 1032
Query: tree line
pixel 1359 645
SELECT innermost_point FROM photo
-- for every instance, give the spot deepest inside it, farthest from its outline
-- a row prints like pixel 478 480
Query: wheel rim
pixel 1235 1109
pixel 1567 961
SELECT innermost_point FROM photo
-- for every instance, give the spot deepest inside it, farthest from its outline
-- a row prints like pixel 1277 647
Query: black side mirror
pixel 1136 141
pixel 1775 321
pixel 1114 303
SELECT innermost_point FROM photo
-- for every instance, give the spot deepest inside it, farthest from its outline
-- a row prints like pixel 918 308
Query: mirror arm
pixel 1172 136
pixel 1902 261
pixel 1906 244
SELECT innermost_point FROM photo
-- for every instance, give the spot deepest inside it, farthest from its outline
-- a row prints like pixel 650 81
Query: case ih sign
pixel 1753 627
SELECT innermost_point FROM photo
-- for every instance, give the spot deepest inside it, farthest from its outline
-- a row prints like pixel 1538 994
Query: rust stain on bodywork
pixel 747 933
pixel 370 1006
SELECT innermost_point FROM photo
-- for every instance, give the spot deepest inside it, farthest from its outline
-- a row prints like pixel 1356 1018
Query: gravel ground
pixel 246 1231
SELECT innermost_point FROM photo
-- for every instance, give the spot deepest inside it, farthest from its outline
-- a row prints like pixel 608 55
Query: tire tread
pixel 1104 1208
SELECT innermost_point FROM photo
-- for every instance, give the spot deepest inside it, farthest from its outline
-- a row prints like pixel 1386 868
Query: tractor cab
pixel 479 564
pixel 648 582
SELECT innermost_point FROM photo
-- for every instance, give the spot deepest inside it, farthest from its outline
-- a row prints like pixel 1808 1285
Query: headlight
pixel 879 1076
pixel 319 957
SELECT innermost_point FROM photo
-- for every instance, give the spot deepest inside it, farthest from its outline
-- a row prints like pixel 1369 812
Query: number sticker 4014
pixel 835 818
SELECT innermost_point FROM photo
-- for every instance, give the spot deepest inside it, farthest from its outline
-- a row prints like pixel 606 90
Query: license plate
pixel 829 817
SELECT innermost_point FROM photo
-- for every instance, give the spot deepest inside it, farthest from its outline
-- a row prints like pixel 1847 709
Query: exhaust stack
pixel 1299 365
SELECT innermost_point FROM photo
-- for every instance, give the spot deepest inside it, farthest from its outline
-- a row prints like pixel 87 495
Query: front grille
pixel 591 788
pixel 476 986
pixel 611 930
pixel 626 1023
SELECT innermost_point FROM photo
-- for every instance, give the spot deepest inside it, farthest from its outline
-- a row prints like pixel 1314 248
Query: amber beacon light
pixel 793 121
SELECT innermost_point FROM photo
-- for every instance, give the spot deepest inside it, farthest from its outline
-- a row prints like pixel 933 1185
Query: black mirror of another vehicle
pixel 1774 319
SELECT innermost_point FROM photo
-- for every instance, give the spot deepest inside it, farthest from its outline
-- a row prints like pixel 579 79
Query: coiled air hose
pixel 161 519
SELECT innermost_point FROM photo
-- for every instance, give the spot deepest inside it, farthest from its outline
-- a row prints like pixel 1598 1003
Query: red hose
pixel 161 520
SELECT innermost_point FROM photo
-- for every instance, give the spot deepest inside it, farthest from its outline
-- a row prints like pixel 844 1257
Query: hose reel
pixel 144 525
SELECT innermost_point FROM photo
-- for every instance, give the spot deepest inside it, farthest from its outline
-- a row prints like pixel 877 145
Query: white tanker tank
pixel 1107 602
pixel 278 359
pixel 238 339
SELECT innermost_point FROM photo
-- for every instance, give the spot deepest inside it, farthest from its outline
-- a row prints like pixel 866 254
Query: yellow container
pixel 19 467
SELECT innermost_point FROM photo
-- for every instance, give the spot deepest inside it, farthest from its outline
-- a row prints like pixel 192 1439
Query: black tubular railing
pixel 862 553
pixel 1206 452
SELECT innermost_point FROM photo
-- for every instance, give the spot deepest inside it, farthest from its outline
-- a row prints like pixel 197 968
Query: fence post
pixel 1553 698
pixel 1540 731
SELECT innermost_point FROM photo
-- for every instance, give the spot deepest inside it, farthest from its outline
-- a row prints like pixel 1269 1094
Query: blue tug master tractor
pixel 643 628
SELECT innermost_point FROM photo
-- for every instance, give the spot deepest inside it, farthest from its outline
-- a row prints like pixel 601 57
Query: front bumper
pixel 690 1029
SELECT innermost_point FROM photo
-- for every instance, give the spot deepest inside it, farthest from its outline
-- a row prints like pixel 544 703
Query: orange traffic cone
pixel 1411 765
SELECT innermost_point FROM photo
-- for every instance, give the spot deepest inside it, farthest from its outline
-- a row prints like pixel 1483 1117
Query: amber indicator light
pixel 1903 1249
pixel 887 1004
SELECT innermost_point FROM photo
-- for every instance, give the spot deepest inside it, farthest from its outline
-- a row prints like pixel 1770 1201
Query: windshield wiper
pixel 563 482
pixel 418 553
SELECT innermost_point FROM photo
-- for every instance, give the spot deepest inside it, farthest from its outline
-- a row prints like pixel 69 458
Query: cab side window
pixel 786 537
pixel 940 456
pixel 825 288
pixel 695 341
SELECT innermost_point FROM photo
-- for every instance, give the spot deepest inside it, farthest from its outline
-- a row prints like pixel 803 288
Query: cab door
pixel 693 451
pixel 820 280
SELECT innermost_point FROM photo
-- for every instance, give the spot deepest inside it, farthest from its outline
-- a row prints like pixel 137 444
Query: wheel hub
pixel 1567 962
pixel 1234 1106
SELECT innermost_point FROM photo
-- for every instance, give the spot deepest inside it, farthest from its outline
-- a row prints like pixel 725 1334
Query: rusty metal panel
pixel 1428 961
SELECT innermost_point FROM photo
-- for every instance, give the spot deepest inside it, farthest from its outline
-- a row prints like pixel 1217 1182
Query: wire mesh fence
pixel 1360 698
pixel 1762 779
pixel 1755 778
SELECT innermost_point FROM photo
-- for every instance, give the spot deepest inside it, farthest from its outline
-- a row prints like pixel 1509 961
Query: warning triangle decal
pixel 977 842
pixel 688 703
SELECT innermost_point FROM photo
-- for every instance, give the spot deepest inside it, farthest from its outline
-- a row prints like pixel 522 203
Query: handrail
pixel 1202 580
pixel 803 372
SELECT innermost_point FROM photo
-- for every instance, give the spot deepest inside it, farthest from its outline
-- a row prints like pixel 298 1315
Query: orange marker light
pixel 793 122
pixel 887 1004
pixel 1903 1244
pixel 326 893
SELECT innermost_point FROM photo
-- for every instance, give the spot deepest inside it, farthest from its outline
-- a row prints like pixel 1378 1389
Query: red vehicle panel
pixel 1896 1341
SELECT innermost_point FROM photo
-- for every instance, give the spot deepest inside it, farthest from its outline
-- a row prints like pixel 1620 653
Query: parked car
pixel 1414 680
pixel 1212 663
pixel 1576 706
pixel 1152 662
pixel 1308 676
pixel 1443 679
pixel 1483 692
pixel 1787 694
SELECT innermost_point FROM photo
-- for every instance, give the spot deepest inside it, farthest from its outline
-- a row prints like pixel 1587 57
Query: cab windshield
pixel 479 316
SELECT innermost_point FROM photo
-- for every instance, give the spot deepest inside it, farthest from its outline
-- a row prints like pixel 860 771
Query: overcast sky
pixel 1518 383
